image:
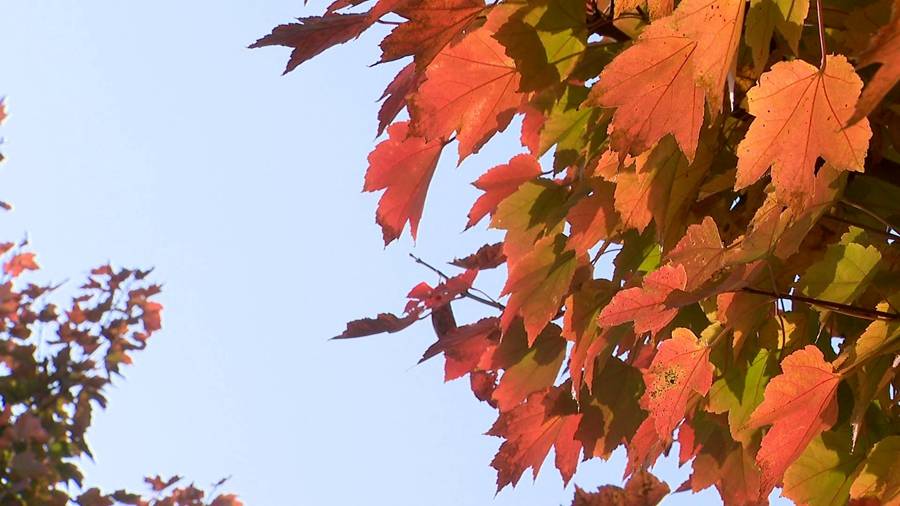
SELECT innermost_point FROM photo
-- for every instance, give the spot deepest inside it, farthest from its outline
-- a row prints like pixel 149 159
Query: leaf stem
pixel 822 46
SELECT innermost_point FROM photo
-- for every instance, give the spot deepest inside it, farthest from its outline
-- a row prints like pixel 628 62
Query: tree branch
pixel 867 228
pixel 859 312
pixel 468 294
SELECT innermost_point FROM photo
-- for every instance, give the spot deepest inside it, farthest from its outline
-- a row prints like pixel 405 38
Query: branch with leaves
pixel 735 160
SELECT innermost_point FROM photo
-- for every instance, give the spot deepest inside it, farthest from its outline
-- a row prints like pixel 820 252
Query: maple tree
pixel 57 357
pixel 739 164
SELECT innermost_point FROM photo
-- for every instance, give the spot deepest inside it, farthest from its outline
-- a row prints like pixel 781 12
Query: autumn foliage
pixel 737 161
pixel 60 348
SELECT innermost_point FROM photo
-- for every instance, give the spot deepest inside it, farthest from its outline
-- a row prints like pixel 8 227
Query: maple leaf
pixel 501 182
pixel 612 413
pixel 766 16
pixel 679 371
pixel 548 419
pixel 652 79
pixel 715 28
pixel 537 284
pixel 880 337
pixel 642 489
pixel 535 211
pixel 488 256
pixel 470 88
pixel 592 218
pixel 884 48
pixel 3 114
pixel 152 316
pixel 733 472
pixel 465 347
pixel 799 404
pixel 740 391
pixel 658 8
pixel 645 447
pixel 394 95
pixel 384 322
pixel 580 326
pixel 676 64
pixel 20 263
pixel 226 500
pixel 660 187
pixel 878 478
pixel 423 296
pixel 403 166
pixel 315 34
pixel 800 113
pixel 823 473
pixel 528 368
pixel 700 252
pixel 844 272
pixel 545 38
pixel 432 25
pixel 645 306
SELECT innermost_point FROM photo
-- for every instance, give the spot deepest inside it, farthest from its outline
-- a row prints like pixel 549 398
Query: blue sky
pixel 145 133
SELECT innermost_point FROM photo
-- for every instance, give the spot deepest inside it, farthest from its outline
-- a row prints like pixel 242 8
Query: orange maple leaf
pixel 700 251
pixel 659 84
pixel 679 371
pixel 471 89
pixel 801 113
pixel 645 306
pixel 800 404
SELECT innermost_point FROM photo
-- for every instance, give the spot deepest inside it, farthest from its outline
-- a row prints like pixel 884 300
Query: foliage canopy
pixel 737 160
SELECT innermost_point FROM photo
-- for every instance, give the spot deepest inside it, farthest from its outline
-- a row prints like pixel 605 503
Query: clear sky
pixel 146 134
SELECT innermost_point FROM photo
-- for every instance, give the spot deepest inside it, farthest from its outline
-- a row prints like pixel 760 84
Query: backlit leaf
pixel 801 113
pixel 799 404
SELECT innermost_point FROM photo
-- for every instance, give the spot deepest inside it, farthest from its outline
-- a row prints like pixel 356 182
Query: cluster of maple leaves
pixel 739 162
pixel 55 363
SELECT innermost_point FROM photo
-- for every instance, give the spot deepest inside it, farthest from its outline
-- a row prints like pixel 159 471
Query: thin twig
pixel 429 267
pixel 468 294
pixel 867 228
pixel 859 312
pixel 600 252
pixel 868 212
pixel 779 306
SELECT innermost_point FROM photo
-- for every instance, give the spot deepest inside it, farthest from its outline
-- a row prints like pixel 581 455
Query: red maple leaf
pixel 645 306
pixel 402 166
pixel 315 34
pixel 20 263
pixel 501 182
pixel 548 419
pixel 470 88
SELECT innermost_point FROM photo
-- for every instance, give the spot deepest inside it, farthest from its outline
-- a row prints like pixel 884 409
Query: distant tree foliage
pixel 56 361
